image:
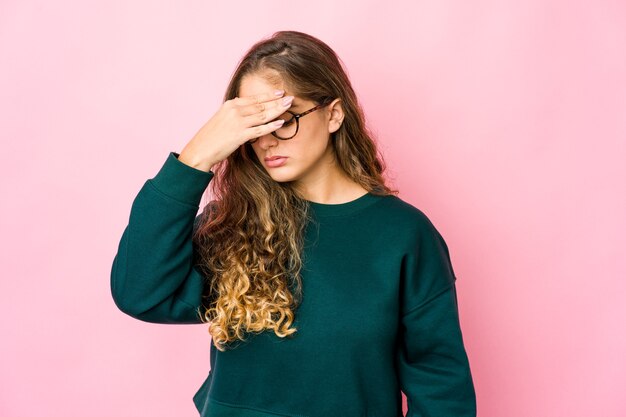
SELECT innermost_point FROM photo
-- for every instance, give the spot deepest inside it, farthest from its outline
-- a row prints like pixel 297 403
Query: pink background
pixel 504 121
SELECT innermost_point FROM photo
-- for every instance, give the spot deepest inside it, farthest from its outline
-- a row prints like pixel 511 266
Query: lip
pixel 271 158
pixel 275 161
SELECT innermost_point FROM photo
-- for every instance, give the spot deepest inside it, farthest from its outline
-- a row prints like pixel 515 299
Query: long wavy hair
pixel 249 239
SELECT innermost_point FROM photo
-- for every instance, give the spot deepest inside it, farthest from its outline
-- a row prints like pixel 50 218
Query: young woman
pixel 325 293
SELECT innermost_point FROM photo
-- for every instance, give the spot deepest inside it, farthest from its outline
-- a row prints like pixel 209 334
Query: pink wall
pixel 505 121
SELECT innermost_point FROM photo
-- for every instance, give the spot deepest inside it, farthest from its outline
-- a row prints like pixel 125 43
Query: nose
pixel 266 141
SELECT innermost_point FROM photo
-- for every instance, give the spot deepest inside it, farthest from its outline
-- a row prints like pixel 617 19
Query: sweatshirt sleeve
pixel 152 277
pixel 432 363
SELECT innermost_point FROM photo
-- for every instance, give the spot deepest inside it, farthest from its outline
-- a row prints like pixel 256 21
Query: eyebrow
pixel 295 103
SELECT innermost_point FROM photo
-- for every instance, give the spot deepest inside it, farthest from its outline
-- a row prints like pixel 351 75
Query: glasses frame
pixel 297 117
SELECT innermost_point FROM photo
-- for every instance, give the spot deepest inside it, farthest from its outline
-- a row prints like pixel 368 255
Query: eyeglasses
pixel 289 129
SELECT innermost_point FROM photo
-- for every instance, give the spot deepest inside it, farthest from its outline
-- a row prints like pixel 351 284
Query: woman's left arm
pixel 432 363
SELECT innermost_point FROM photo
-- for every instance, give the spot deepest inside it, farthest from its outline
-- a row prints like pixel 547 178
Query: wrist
pixel 198 164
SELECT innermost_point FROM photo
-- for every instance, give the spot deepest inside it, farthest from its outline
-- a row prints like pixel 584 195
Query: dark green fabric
pixel 379 311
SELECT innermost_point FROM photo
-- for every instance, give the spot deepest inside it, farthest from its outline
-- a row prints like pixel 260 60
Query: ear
pixel 335 109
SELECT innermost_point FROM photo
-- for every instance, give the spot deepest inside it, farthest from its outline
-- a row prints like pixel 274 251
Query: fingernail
pixel 287 100
pixel 279 93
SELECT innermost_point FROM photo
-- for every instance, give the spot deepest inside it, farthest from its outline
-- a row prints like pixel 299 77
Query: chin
pixel 281 176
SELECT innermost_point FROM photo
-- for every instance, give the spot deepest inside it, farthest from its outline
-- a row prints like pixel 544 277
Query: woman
pixel 325 293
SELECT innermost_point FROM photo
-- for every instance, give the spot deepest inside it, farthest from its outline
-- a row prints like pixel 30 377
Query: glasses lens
pixel 288 129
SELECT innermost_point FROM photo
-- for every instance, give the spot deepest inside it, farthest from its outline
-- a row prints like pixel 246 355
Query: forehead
pixel 253 84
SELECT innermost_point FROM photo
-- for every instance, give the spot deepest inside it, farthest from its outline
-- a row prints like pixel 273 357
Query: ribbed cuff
pixel 181 181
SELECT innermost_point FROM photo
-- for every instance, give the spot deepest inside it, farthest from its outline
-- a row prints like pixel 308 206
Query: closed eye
pixel 285 116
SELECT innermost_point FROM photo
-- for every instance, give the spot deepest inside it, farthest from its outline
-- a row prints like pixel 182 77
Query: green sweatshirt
pixel 379 313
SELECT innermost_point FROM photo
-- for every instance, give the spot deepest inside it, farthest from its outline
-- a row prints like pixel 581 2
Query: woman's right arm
pixel 153 278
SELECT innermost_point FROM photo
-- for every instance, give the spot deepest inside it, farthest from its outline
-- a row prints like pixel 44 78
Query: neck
pixel 328 183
